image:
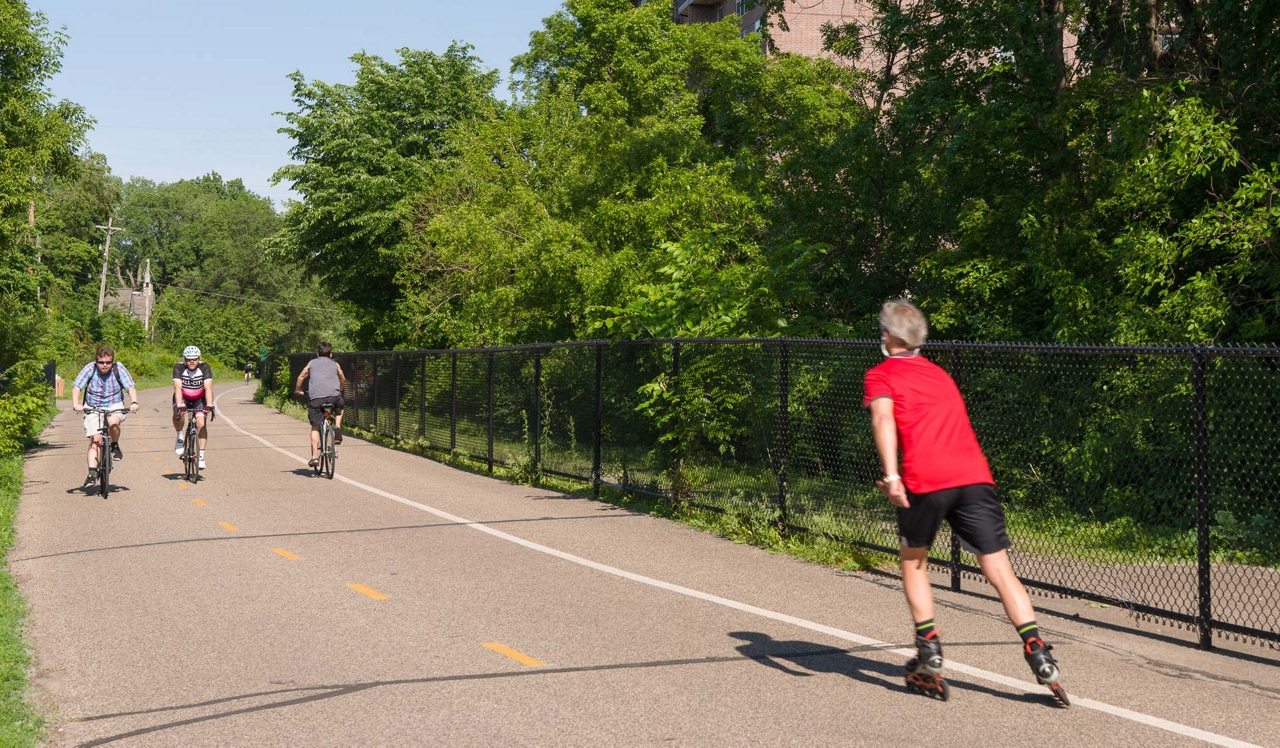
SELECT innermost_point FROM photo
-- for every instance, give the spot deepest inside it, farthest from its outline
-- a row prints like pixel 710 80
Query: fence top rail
pixel 1244 351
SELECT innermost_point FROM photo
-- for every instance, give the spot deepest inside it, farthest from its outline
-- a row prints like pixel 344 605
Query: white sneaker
pixel 177 445
pixel 200 461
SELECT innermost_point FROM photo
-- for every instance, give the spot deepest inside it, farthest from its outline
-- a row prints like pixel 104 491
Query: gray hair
pixel 904 321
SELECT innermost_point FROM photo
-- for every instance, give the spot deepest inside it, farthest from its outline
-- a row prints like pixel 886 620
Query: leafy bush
pixel 24 405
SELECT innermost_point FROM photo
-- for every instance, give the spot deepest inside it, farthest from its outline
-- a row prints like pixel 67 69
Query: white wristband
pixel 891 478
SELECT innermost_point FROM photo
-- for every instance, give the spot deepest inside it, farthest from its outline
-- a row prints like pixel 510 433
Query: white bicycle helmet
pixel 190 352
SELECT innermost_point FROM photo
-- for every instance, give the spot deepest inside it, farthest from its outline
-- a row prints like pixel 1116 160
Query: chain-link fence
pixel 1145 478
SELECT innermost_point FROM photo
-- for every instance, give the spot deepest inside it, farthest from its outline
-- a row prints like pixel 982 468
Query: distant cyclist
pixel 248 371
pixel 193 393
pixel 325 381
pixel 103 382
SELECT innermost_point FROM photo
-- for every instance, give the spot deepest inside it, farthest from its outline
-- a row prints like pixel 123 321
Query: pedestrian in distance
pixel 916 409
pixel 324 382
pixel 103 382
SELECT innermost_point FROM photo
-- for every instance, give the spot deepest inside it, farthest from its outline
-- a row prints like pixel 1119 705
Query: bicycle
pixel 191 445
pixel 104 451
pixel 328 457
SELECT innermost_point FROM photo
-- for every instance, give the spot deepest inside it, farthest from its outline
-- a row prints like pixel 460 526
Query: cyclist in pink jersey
pixel 192 392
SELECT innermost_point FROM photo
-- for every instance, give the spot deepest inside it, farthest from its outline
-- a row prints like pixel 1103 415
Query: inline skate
pixel 924 671
pixel 1046 670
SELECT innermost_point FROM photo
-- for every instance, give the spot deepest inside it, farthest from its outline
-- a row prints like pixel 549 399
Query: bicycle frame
pixel 191 449
pixel 104 449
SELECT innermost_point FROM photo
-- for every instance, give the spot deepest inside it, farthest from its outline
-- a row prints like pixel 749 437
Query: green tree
pixel 363 152
pixel 38 136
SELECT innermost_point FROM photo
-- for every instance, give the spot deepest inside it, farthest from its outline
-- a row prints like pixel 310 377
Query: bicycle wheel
pixel 191 454
pixel 328 454
pixel 104 466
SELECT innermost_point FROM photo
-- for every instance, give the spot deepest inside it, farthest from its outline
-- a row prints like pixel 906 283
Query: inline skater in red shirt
pixel 917 408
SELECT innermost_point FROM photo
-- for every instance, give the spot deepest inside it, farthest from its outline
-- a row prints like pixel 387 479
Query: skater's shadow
pixel 804 659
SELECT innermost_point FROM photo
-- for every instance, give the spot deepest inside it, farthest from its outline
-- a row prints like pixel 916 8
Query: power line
pixel 84 276
pixel 246 298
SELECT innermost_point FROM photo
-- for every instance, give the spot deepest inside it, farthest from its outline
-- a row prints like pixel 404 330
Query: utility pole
pixel 106 252
pixel 146 298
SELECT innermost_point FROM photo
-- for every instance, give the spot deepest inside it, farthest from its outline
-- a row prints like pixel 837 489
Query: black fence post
pixel 537 411
pixel 376 406
pixel 955 539
pixel 422 396
pixel 1200 417
pixel 490 429
pixel 353 405
pixel 453 402
pixel 676 464
pixel 784 424
pixel 395 364
pixel 599 418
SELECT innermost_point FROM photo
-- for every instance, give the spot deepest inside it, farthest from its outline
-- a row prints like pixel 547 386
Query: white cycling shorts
pixel 92 424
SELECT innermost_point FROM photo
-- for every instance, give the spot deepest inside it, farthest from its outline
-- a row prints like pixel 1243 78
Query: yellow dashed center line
pixel 229 527
pixel 286 554
pixel 519 657
pixel 371 592
pixel 198 502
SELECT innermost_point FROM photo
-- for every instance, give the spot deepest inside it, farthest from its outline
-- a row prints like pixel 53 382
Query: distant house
pixel 137 304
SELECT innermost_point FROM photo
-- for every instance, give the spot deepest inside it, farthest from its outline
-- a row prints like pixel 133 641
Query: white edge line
pixel 973 672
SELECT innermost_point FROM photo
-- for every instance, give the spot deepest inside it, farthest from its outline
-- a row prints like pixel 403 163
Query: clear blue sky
pixel 181 88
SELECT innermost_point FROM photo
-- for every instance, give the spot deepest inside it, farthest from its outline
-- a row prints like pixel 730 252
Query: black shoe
pixel 314 462
pixel 116 454
pixel 90 480
pixel 337 436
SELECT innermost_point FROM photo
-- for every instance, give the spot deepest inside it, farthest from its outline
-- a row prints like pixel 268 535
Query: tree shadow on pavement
pixel 814 659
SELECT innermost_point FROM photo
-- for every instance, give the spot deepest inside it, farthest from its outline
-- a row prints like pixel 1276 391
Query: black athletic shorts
pixel 315 411
pixel 973 512
pixel 197 404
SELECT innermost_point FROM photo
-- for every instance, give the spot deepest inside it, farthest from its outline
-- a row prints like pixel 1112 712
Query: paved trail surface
pixel 408 603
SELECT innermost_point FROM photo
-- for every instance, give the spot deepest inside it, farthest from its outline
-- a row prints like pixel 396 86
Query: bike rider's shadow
pixel 815 659
pixel 306 472
pixel 94 490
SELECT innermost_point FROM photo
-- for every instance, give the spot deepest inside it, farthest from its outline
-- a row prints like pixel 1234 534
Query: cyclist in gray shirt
pixel 325 381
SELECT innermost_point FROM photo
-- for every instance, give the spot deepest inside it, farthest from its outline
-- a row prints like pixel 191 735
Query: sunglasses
pixel 105 363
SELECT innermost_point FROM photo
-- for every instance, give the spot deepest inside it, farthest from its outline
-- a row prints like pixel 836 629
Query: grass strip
pixel 20 724
pixel 738 528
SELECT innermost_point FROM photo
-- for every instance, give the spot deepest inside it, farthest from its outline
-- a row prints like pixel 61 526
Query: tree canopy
pixel 1094 170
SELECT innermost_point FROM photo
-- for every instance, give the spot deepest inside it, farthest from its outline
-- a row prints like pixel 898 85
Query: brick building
pixel 804 19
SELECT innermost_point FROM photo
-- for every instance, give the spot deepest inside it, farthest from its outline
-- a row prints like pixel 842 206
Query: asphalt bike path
pixel 406 602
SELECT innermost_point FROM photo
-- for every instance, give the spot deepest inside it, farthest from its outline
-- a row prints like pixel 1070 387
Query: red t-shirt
pixel 939 448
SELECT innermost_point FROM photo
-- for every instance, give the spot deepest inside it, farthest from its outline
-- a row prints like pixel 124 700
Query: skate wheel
pixel 944 691
pixel 1060 694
